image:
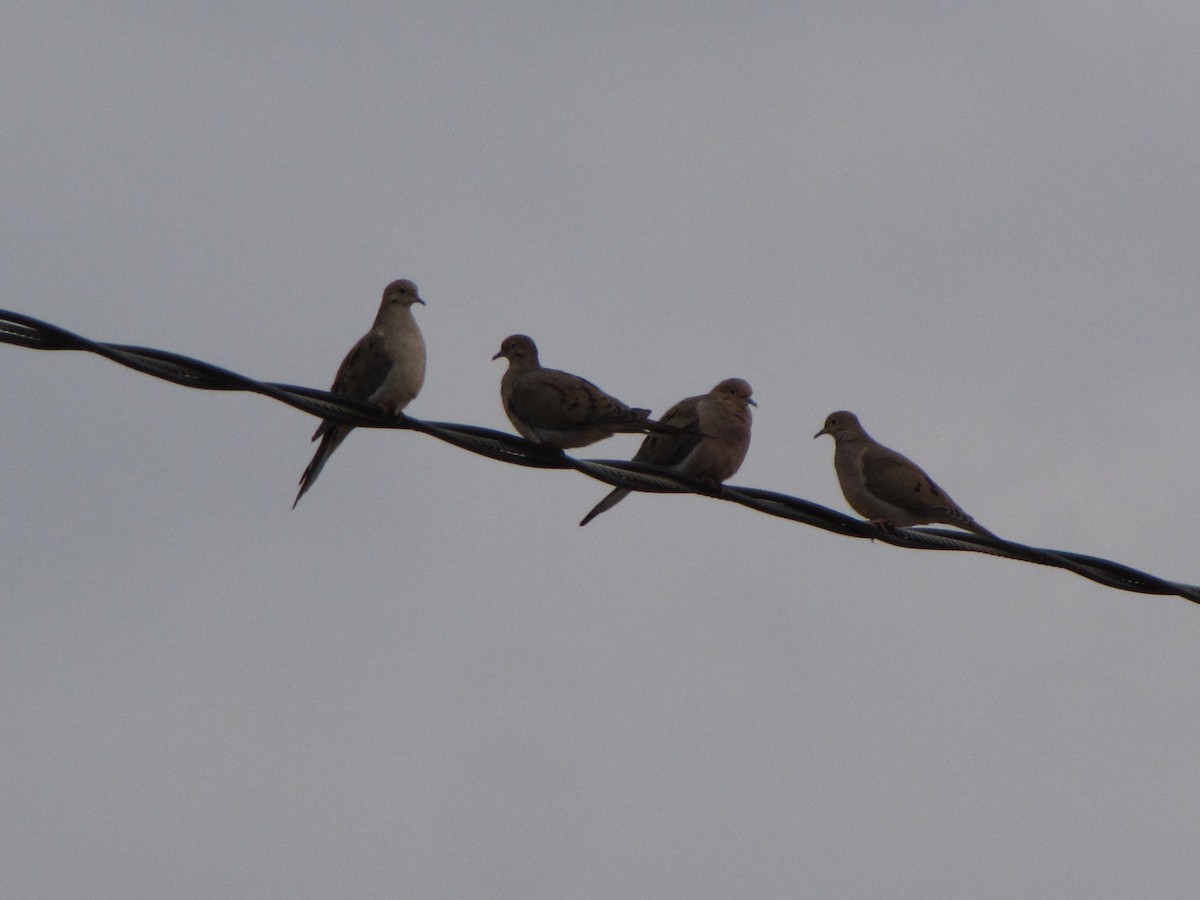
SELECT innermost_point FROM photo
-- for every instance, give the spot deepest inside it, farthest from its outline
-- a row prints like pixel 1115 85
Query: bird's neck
pixel 856 437
pixel 523 364
pixel 394 316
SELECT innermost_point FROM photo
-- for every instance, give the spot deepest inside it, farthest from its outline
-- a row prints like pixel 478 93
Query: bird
pixel 558 409
pixel 714 438
pixel 386 367
pixel 885 487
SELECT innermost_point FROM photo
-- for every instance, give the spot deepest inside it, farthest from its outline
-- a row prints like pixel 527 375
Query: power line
pixel 25 331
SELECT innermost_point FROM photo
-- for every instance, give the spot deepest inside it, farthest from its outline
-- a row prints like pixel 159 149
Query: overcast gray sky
pixel 976 225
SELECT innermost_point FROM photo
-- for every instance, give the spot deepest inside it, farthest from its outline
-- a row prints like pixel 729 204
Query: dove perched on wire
pixel 559 409
pixel 713 439
pixel 386 367
pixel 885 487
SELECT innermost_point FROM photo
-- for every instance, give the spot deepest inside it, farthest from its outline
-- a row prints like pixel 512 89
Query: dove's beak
pixel 819 433
pixel 498 355
pixel 750 400
pixel 419 300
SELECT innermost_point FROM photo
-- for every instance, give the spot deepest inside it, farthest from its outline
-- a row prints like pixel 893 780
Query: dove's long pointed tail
pixel 330 441
pixel 615 496
pixel 971 525
pixel 961 519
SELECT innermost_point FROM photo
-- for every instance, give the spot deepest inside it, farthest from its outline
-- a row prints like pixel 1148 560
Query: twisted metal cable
pixel 25 331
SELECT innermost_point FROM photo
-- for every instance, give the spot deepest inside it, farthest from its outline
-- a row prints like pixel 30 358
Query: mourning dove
pixel 713 440
pixel 386 367
pixel 559 409
pixel 885 487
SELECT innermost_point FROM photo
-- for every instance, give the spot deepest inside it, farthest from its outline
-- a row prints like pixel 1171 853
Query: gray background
pixel 976 225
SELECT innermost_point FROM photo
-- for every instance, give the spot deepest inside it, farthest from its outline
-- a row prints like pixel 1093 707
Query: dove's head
pixel 735 390
pixel 841 425
pixel 518 348
pixel 403 292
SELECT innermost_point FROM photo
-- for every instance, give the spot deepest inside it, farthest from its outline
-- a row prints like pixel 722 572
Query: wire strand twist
pixel 25 331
